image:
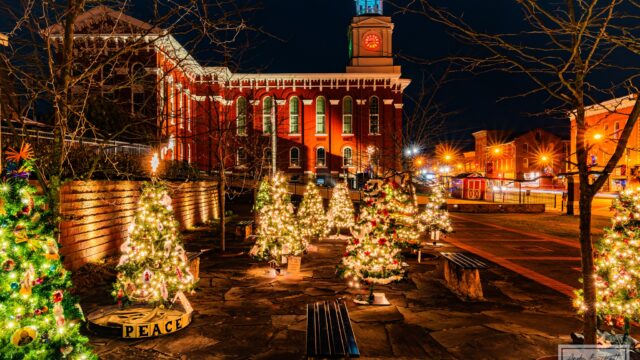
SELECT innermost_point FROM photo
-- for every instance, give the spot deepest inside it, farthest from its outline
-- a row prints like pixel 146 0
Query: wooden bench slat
pixel 464 261
pixel 352 346
pixel 329 331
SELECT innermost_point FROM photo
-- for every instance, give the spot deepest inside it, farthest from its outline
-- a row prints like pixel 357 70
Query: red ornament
pixel 382 241
pixel 620 322
pixel 373 223
pixel 356 241
pixel 395 262
pixel 57 296
pixel 38 312
pixel 345 254
pixel 607 320
pixel 39 281
pixel 367 253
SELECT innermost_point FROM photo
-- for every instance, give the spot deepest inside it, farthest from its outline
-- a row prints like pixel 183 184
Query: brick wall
pixel 97 215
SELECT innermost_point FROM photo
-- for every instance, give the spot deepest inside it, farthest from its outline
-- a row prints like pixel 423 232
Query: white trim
pixel 609 106
pixel 307 101
pixel 361 101
pixel 398 106
pixel 334 102
pixel 281 102
pixel 254 102
pixel 388 101
pixel 321 135
pixel 294 135
pixel 348 135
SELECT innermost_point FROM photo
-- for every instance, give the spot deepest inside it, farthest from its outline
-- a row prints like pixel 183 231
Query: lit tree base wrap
pixel 38 317
pixel 138 322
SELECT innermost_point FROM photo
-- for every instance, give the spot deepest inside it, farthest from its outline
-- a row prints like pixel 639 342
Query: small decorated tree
pixel 278 232
pixel 263 196
pixel 372 256
pixel 400 200
pixel 435 216
pixel 153 265
pixel 341 212
pixel 38 315
pixel 617 265
pixel 312 219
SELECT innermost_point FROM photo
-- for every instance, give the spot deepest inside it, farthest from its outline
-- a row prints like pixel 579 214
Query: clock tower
pixel 370 40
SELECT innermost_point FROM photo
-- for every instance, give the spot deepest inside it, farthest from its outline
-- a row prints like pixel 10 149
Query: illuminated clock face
pixel 371 41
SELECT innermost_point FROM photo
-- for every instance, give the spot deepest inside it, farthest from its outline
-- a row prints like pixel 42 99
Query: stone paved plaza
pixel 243 313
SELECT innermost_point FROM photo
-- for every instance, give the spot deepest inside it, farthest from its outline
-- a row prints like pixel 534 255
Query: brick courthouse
pixel 328 124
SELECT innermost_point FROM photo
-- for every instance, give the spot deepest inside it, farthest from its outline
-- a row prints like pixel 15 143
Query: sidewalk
pixel 243 314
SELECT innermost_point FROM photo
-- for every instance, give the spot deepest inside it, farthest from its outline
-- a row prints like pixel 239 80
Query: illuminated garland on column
pixel 153 265
pixel 617 265
pixel 372 255
pixel 278 232
pixel 312 219
pixel 38 317
pixel 341 212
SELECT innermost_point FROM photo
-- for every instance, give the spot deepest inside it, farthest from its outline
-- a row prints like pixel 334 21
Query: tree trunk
pixel 222 194
pixel 588 271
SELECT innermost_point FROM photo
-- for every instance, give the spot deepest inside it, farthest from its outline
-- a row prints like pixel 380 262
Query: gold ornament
pixel 24 336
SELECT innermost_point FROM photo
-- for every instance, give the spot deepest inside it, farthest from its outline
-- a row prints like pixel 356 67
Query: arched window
pixel 137 72
pixel 267 156
pixel 347 157
pixel 321 157
pixel 267 115
pixel 241 120
pixel 294 115
pixel 321 111
pixel 347 115
pixel 294 157
pixel 374 116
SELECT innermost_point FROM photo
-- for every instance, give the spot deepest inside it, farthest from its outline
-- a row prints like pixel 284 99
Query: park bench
pixel 194 262
pixel 462 274
pixel 329 332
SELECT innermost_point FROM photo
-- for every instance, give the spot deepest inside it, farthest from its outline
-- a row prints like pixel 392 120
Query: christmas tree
pixel 264 195
pixel 340 214
pixel 278 232
pixel 617 265
pixel 372 256
pixel 435 216
pixel 401 202
pixel 153 265
pixel 312 219
pixel 38 315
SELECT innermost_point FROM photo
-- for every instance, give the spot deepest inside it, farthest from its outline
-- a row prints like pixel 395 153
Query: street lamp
pixel 598 136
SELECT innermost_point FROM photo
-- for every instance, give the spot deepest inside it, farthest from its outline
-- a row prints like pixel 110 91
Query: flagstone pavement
pixel 243 313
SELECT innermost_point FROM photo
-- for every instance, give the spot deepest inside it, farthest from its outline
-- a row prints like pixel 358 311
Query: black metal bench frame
pixel 464 261
pixel 329 331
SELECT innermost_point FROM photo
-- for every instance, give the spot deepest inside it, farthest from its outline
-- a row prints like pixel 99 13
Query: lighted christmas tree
pixel 435 216
pixel 278 234
pixel 617 265
pixel 372 256
pixel 400 200
pixel 263 196
pixel 312 219
pixel 39 318
pixel 341 212
pixel 153 265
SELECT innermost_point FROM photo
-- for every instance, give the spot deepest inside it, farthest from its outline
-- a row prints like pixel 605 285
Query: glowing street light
pixel 155 162
pixel 598 136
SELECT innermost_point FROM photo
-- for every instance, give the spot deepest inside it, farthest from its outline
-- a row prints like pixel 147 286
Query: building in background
pixel 605 122
pixel 535 157
pixel 306 124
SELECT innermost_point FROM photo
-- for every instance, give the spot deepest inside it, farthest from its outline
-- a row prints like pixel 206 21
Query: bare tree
pixel 564 45
pixel 88 68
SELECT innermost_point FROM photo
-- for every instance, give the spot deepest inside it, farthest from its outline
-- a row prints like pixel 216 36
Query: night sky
pixel 314 34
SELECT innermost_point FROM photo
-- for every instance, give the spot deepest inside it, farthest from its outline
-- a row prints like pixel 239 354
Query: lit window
pixel 347 115
pixel 320 115
pixel 241 121
pixel 525 148
pixel 294 157
pixel 321 160
pixel 374 116
pixel 525 163
pixel 267 115
pixel 241 157
pixel 616 130
pixel 347 157
pixel 294 115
